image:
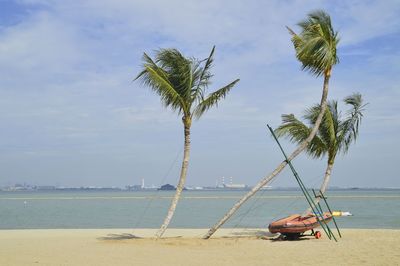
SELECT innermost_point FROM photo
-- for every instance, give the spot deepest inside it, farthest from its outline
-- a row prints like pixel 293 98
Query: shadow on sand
pixel 251 233
pixel 124 236
pixel 282 238
pixel 265 235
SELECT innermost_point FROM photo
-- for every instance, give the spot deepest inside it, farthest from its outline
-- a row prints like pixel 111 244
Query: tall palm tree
pixel 181 83
pixel 334 136
pixel 315 48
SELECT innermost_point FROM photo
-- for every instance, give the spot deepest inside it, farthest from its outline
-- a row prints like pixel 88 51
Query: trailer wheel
pixel 317 234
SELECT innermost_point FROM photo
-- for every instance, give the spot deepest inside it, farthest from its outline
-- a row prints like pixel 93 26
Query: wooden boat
pixel 296 224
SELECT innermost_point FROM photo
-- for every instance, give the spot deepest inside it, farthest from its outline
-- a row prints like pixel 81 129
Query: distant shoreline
pixel 89 189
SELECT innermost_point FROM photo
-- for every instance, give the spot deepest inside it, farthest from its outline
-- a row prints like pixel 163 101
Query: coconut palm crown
pixel 181 83
pixel 335 134
pixel 316 44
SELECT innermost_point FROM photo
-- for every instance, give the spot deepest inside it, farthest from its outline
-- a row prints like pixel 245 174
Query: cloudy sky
pixel 70 114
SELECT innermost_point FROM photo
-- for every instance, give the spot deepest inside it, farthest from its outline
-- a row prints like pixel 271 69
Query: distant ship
pixel 235 186
pixel 231 185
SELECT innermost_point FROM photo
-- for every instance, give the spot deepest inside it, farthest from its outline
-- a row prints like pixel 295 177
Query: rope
pixel 279 214
pixel 242 216
pixel 153 196
pixel 253 206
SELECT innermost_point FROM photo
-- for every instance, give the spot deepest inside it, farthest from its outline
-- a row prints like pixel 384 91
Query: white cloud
pixel 40 43
pixel 364 20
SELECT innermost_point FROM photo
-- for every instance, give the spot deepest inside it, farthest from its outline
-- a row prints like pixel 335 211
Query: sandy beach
pixel 185 247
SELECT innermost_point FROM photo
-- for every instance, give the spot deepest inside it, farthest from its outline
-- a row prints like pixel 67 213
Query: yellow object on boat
pixel 340 213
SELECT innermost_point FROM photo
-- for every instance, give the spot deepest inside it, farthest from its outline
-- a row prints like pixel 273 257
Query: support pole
pixel 329 209
pixel 314 208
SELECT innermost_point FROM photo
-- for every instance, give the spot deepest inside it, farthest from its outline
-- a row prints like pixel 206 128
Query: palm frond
pixel 148 62
pixel 328 127
pixel 350 126
pixel 179 69
pixel 296 131
pixel 213 99
pixel 296 39
pixel 311 114
pixel 157 79
pixel 203 78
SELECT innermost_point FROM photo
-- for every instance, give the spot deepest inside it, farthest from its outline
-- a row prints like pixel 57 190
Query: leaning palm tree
pixel 334 136
pixel 181 83
pixel 315 48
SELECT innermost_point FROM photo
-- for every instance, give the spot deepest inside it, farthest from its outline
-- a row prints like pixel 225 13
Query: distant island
pixel 166 187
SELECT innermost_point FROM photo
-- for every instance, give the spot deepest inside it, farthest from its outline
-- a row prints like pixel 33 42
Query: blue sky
pixel 70 114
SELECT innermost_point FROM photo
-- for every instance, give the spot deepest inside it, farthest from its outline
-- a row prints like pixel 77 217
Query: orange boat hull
pixel 296 224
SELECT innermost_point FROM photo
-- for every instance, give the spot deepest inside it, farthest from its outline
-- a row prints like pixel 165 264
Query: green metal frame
pixel 316 208
pixel 321 195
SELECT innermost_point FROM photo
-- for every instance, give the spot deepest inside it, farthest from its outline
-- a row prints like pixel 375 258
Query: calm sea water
pixel 197 209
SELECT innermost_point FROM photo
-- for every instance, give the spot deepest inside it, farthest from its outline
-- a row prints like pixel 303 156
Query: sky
pixel 70 114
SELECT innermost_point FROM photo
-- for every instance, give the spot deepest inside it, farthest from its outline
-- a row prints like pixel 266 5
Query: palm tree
pixel 315 48
pixel 181 83
pixel 334 136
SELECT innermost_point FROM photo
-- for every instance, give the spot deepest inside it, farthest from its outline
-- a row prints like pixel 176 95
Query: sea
pixel 196 209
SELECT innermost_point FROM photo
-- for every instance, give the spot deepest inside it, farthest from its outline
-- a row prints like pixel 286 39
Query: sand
pixel 185 247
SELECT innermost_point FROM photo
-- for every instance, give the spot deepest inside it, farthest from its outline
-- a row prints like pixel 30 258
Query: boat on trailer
pixel 296 225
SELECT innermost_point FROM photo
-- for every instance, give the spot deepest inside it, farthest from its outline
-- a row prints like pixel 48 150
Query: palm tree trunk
pixel 181 183
pixel 327 177
pixel 282 165
pixel 324 185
